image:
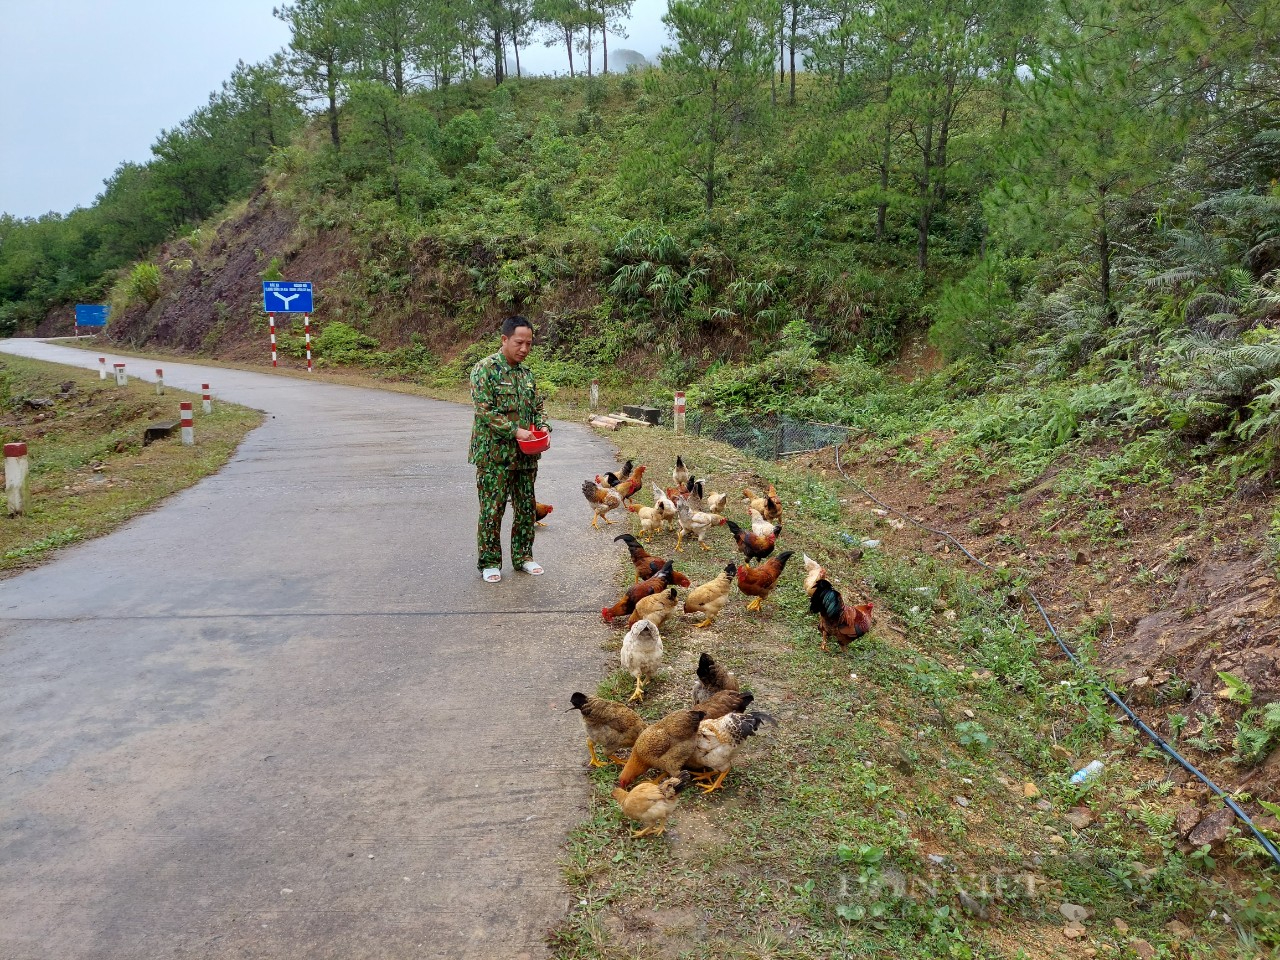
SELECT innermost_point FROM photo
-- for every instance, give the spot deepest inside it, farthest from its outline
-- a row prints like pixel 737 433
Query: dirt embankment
pixel 1173 599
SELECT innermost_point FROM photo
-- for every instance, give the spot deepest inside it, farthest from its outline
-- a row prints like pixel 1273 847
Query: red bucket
pixel 541 441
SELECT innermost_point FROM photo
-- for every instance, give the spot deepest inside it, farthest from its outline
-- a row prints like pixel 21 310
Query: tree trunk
pixel 604 38
pixel 332 81
pixel 926 199
pixel 515 45
pixel 795 18
pixel 499 57
pixel 1104 256
pixel 568 46
pixel 944 128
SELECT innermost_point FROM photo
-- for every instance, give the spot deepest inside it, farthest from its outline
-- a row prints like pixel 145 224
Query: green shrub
pixel 340 343
pixel 143 284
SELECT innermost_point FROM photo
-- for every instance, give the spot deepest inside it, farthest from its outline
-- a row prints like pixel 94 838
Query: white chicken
pixel 813 570
pixel 694 523
pixel 759 525
pixel 642 654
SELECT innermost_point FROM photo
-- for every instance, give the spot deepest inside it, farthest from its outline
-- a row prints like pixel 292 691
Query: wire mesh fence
pixel 766 436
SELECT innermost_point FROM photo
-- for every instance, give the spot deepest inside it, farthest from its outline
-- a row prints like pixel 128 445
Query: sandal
pixel 533 568
pixel 491 575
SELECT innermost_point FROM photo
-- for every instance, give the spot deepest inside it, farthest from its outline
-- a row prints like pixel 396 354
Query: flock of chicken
pixel 698 743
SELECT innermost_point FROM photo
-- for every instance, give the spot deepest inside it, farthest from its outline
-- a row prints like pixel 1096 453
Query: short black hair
pixel 510 324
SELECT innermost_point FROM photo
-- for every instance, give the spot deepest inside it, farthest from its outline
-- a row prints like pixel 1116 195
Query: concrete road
pixel 281 716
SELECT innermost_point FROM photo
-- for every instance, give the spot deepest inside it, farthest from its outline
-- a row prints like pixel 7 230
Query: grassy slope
pixel 89 470
pixel 901 765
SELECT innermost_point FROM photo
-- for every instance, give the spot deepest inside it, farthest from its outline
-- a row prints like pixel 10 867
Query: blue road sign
pixel 282 296
pixel 91 314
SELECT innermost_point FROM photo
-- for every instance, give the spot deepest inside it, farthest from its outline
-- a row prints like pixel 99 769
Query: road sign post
pixel 286 296
pixel 91 315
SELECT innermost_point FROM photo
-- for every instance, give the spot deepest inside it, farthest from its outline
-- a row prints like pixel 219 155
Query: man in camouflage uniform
pixel 507 403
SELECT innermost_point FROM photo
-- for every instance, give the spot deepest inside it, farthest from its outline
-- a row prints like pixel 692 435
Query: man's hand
pixel 523 434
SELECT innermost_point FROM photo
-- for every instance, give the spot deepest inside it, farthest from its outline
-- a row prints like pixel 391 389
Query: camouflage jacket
pixel 505 397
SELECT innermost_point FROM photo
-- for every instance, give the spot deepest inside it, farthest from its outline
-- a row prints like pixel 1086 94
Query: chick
pixel 709 598
pixel 655 608
pixel 642 654
pixel 712 678
pixel 665 745
pixel 649 804
pixel 718 742
pixel 614 726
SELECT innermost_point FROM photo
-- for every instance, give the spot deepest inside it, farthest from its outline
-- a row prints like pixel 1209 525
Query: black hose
pixel 1267 845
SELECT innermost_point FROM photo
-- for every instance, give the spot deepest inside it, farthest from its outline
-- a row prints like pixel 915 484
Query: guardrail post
pixel 206 402
pixel 188 424
pixel 679 411
pixel 15 477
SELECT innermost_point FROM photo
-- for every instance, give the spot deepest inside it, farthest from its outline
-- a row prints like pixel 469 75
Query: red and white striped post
pixel 159 382
pixel 272 318
pixel 122 378
pixel 306 327
pixel 188 424
pixel 206 405
pixel 102 368
pixel 15 477
pixel 679 411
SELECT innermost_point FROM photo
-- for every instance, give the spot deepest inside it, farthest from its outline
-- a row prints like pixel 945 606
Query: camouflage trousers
pixel 495 486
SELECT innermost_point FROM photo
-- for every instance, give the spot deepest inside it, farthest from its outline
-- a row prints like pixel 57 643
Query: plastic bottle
pixel 1087 772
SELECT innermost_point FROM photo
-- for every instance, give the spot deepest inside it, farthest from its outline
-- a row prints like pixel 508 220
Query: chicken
pixel 655 608
pixel 712 678
pixel 664 503
pixel 650 519
pixel 684 490
pixel 813 572
pixel 646 563
pixel 724 702
pixel 758 582
pixel 759 524
pixel 718 742
pixel 769 505
pixel 752 545
pixel 632 485
pixel 836 618
pixel 642 654
pixel 614 726
pixel 655 584
pixel 665 745
pixel 709 598
pixel 541 511
pixel 695 523
pixel 716 502
pixel 681 473
pixel 602 500
pixel 612 479
pixel 649 804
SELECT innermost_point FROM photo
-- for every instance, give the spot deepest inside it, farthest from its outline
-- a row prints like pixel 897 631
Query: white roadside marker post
pixel 307 328
pixel 679 412
pixel 102 368
pixel 122 378
pixel 206 405
pixel 595 395
pixel 15 477
pixel 159 382
pixel 188 424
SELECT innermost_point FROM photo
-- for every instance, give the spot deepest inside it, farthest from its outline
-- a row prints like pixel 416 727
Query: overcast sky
pixel 88 84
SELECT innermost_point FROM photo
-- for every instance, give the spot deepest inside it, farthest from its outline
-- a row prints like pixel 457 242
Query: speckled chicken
pixel 718 742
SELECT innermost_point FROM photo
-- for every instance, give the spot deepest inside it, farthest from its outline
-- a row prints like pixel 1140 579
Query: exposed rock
pixel 1213 828
pixel 1144 950
pixel 1074 931
pixel 1179 929
pixel 1187 819
pixel 1079 817
pixel 1073 912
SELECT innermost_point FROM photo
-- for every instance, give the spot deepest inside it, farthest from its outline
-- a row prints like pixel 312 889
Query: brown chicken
pixel 758 582
pixel 836 618
pixel 725 702
pixel 712 678
pixel 769 505
pixel 646 563
pixel 541 511
pixel 655 608
pixel 709 598
pixel 614 726
pixel 655 584
pixel 752 545
pixel 680 474
pixel 602 500
pixel 629 487
pixel 665 745
pixel 649 804
pixel 612 479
